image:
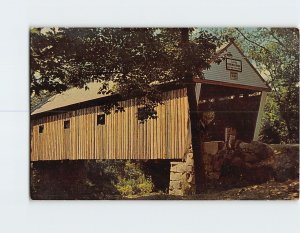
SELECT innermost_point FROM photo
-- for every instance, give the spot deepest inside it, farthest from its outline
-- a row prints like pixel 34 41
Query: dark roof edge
pixel 100 101
pixel 226 84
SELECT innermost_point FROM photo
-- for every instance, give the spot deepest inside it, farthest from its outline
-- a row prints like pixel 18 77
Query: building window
pixel 233 75
pixel 101 119
pixel 67 124
pixel 41 128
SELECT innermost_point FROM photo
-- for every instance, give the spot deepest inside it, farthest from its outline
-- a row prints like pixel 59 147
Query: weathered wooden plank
pixel 121 137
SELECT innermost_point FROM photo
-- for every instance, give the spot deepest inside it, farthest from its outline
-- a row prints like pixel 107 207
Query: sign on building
pixel 233 64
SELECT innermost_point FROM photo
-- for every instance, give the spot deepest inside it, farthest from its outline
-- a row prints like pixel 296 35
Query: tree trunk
pixel 194 118
pixel 196 137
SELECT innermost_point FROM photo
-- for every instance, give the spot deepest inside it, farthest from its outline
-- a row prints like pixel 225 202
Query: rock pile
pixel 254 162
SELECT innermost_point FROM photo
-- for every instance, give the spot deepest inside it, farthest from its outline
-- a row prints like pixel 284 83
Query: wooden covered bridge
pixel 71 125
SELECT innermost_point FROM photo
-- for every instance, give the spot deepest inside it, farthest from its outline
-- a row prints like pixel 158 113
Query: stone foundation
pixel 182 177
pixel 253 162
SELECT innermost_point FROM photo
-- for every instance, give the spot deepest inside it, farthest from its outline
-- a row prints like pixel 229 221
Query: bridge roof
pixel 216 75
pixel 71 96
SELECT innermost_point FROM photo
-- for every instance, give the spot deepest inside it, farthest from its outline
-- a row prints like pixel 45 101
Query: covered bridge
pixel 71 125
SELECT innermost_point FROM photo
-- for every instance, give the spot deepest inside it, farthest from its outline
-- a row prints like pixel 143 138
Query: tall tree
pixel 134 59
pixel 194 116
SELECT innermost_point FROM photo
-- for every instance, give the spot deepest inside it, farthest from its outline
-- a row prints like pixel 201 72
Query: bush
pixel 145 187
pixel 134 181
pixel 125 190
pixel 113 177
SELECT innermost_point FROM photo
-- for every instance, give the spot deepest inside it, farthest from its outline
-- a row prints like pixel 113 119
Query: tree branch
pixel 251 41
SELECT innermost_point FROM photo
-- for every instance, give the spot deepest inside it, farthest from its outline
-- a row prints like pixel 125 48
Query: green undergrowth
pixel 133 181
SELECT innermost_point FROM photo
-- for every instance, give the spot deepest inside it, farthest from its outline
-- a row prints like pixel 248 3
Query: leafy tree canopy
pixel 132 58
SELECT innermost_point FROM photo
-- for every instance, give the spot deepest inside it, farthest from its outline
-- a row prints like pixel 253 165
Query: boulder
pixel 250 158
pixel 212 147
pixel 229 155
pixel 256 149
pixel 257 173
pixel 221 154
pixel 217 165
pixel 286 161
pixel 237 162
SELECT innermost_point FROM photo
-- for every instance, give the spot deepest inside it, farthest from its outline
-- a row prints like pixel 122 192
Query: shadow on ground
pixel 272 190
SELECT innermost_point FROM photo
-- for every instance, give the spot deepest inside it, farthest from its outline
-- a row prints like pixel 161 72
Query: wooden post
pixel 230 137
pixel 259 115
pixel 198 91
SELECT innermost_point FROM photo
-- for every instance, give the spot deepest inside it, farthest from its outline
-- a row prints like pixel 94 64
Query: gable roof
pixel 218 74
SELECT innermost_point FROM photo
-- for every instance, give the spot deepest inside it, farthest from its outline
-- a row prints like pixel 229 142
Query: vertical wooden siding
pixel 121 137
